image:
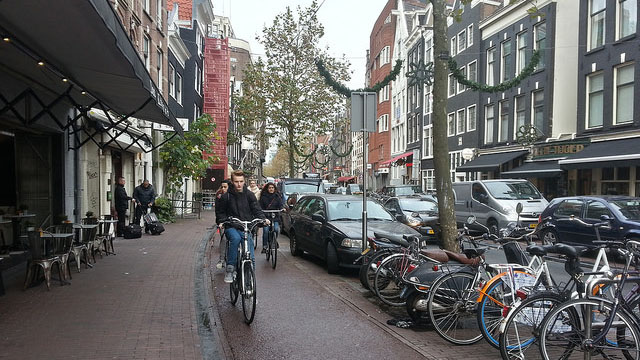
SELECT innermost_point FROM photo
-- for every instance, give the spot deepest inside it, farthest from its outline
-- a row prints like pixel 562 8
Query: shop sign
pixel 555 150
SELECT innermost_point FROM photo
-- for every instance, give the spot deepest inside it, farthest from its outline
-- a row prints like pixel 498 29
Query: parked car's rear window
pixel 512 190
pixel 570 208
pixel 630 209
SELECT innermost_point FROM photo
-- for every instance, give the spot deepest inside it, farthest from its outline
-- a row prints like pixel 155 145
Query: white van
pixel 493 202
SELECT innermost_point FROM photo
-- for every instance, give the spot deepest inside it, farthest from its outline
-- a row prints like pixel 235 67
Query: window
pixel 469 35
pixel 146 43
pixel 428 50
pixel 196 111
pixel 462 41
pixel 383 94
pixel 505 61
pixel 159 69
pixel 387 19
pixel 159 14
pixel 452 85
pixel 540 42
pixel 454 46
pixel 520 113
pixel 428 103
pixel 385 55
pixel 537 99
pixel 504 121
pixel 491 63
pixel 178 88
pixel 569 208
pixel 472 71
pixel 145 6
pixel 172 81
pixel 624 93
pixel 460 121
pixel 627 15
pixel 488 128
pixel 595 209
pixel 429 180
pixel 451 121
pixel 427 143
pixel 595 100
pixel 461 87
pixel 471 118
pixel 383 123
pixel 597 13
pixel 521 55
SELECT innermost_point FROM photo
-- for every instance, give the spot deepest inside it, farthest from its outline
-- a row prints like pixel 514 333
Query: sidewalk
pixel 139 304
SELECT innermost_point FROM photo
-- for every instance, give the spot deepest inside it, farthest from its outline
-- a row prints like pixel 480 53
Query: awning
pixel 611 153
pixel 345 178
pixel 84 54
pixel 397 158
pixel 534 169
pixel 490 162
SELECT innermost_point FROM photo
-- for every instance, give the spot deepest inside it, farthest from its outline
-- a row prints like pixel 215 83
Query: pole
pixel 365 171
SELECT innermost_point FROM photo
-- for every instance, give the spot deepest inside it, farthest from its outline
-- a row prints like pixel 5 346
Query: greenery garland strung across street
pixel 528 70
pixel 341 89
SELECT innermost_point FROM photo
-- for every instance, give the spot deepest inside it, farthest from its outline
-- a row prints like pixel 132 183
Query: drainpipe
pixel 76 177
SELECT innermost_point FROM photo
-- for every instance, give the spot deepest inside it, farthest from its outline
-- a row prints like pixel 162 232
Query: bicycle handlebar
pixel 246 224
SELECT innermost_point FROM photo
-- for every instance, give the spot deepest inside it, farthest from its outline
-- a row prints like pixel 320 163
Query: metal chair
pixel 89 236
pixel 64 246
pixel 79 249
pixel 43 258
pixel 105 236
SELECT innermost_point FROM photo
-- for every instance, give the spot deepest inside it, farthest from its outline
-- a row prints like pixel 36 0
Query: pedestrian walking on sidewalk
pixel 145 196
pixel 122 204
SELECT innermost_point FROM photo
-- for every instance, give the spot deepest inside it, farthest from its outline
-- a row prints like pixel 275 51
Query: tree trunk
pixel 291 151
pixel 440 140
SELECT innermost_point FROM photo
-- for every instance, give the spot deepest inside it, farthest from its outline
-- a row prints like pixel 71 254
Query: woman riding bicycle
pixel 224 187
pixel 240 203
pixel 270 199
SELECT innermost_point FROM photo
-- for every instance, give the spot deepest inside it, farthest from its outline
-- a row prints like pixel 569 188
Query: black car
pixel 623 213
pixel 330 227
pixel 416 211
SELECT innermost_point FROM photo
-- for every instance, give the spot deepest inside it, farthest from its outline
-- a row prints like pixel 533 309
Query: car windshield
pixel 300 188
pixel 630 209
pixel 352 210
pixel 407 190
pixel 416 205
pixel 512 190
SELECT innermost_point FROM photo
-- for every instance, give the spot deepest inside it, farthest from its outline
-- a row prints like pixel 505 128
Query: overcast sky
pixel 347 25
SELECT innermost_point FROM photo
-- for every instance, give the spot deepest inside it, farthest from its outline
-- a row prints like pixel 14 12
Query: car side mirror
pixel 399 217
pixel 519 208
pixel 318 217
pixel 471 220
pixel 605 217
pixel 392 211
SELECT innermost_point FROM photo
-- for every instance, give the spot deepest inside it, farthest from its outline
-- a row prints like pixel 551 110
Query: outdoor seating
pixel 105 234
pixel 79 249
pixel 63 247
pixel 42 256
pixel 89 236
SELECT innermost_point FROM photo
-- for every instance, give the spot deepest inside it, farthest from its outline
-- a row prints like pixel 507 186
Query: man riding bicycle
pixel 240 203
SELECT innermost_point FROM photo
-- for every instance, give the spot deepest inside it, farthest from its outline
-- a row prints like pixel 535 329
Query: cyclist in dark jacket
pixel 270 199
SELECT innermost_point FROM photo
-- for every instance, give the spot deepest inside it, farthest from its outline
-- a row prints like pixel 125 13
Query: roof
pixel 490 162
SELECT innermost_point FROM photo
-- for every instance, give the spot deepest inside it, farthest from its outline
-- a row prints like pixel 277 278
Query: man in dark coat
pixel 144 195
pixel 122 204
pixel 240 203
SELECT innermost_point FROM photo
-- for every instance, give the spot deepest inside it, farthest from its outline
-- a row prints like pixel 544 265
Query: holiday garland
pixel 528 70
pixel 341 89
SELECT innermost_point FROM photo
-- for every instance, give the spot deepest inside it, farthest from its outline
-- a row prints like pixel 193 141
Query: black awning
pixel 622 152
pixel 82 41
pixel 534 169
pixel 490 162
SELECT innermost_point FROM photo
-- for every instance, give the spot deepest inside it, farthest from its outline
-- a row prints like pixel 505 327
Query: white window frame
pixel 474 63
pixel 146 49
pixel 427 142
pixel 160 56
pixel 619 18
pixel 384 55
pixel 475 120
pixel 146 6
pixel 520 99
pixel 505 74
pixel 462 35
pixel 536 43
pixel 500 120
pixel 470 35
pixel 588 104
pixel 383 94
pixel 453 46
pixel 534 108
pixel 521 51
pixel 451 124
pixel 178 88
pixel 460 121
pixel 488 137
pixel 159 14
pixel 383 123
pixel 196 110
pixel 491 66
pixel 172 81
pixel 592 15
pixel 460 88
pixel 452 83
pixel 616 90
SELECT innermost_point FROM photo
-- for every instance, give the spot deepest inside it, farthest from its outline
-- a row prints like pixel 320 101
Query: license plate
pixel 533 226
pixel 365 251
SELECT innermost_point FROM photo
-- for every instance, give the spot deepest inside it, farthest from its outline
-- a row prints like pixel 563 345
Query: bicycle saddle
pixel 540 250
pixel 473 253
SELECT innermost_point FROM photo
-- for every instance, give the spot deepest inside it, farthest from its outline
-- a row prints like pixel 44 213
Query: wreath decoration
pixel 345 91
pixel 528 70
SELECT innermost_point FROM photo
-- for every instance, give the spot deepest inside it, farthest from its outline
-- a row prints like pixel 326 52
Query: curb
pixel 214 345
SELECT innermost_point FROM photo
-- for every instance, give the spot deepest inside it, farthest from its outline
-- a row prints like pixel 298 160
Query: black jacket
pixel 242 205
pixel 271 202
pixel 122 200
pixel 144 196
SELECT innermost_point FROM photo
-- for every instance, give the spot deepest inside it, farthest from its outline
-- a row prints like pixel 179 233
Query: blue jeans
pixel 235 237
pixel 265 233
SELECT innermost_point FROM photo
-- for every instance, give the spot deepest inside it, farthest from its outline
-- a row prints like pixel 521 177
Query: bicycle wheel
pixel 249 294
pixel 234 289
pixel 268 252
pixel 519 339
pixel 563 333
pixel 387 283
pixel 273 248
pixel 498 296
pixel 451 308
pixel 368 268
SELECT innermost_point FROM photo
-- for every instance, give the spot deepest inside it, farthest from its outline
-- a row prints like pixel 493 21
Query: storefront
pixel 490 165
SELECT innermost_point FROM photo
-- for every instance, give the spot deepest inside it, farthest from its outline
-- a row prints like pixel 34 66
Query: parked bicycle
pixel 244 278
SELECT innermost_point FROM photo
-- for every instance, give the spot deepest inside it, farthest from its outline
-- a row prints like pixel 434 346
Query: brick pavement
pixel 138 304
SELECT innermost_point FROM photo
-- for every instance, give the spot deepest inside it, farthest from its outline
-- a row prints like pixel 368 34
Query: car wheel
pixel 293 245
pixel 493 226
pixel 332 259
pixel 549 237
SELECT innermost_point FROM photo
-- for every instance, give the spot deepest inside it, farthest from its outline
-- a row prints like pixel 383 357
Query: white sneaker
pixel 220 264
pixel 228 276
